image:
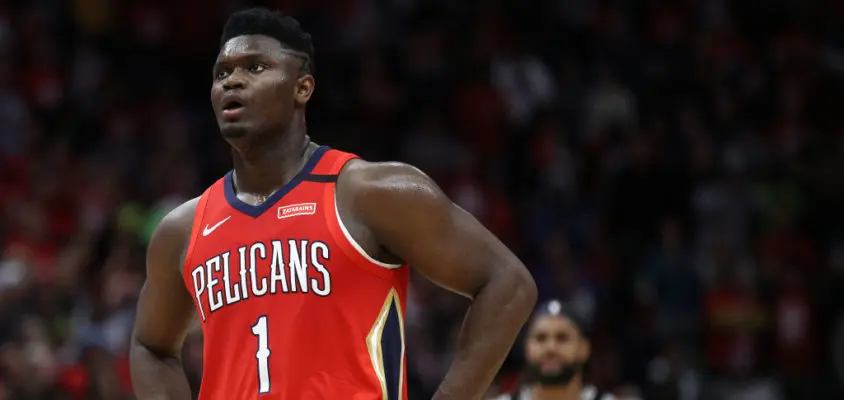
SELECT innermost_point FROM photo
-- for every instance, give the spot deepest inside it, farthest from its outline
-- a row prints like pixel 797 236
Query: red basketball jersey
pixel 291 307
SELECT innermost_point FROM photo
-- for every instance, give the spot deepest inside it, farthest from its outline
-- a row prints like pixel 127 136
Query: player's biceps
pixel 453 263
pixel 147 320
pixel 163 316
pixel 475 252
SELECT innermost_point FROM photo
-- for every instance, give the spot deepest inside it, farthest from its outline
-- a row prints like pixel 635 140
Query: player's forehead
pixel 552 325
pixel 250 46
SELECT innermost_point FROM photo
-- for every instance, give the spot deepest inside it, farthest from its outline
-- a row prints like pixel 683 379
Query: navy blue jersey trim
pixel 256 211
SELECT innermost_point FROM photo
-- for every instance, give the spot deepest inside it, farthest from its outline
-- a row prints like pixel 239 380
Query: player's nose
pixel 234 82
pixel 551 349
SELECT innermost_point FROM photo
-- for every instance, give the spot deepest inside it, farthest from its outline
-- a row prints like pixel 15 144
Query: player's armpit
pixel 164 312
pixel 414 220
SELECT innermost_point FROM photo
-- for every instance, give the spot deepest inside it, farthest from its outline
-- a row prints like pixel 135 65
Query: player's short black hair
pixel 285 29
pixel 555 307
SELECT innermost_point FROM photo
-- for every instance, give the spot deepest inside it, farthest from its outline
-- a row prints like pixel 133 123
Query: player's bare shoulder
pixel 377 182
pixel 170 239
pixel 378 201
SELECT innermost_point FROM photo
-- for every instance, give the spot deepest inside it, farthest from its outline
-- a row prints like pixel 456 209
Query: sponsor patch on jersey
pixel 294 210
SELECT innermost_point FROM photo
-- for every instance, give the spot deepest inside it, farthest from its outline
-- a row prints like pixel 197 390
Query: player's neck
pixel 263 169
pixel 568 392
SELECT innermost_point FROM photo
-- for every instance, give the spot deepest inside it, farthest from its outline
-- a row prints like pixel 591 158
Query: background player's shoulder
pixel 592 393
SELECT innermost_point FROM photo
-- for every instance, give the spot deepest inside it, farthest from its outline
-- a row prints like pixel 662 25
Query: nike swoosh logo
pixel 208 229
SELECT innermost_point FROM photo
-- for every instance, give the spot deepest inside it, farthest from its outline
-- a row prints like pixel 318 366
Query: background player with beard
pixel 556 350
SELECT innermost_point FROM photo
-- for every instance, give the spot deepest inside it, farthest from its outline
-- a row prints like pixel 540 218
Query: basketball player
pixel 556 349
pixel 296 262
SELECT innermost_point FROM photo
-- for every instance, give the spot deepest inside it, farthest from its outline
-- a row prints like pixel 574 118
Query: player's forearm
pixel 157 377
pixel 497 314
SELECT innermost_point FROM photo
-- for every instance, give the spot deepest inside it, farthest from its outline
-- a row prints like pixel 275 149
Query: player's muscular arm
pixel 165 311
pixel 411 218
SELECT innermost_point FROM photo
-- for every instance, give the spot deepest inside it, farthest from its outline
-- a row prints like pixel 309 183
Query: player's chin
pixel 233 130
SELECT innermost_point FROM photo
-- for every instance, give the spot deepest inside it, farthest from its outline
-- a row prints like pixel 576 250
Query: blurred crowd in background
pixel 673 168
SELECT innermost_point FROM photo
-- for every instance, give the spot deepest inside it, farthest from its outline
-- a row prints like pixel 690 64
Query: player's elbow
pixel 520 288
pixel 525 289
pixel 142 350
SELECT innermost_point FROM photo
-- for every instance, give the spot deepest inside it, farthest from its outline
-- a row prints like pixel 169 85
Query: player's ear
pixel 304 89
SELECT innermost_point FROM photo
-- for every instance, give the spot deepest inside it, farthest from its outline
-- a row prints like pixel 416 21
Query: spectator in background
pixel 672 375
pixel 671 285
pixel 793 334
pixel 557 348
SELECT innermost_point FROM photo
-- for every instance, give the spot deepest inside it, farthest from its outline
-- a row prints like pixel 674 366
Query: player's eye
pixel 220 74
pixel 257 68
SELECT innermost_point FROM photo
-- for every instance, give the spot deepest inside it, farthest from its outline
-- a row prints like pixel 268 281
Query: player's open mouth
pixel 232 109
pixel 549 367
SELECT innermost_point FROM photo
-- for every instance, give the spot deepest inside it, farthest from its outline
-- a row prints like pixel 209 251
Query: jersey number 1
pixel 263 354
